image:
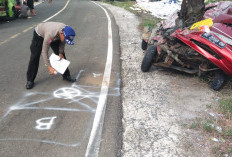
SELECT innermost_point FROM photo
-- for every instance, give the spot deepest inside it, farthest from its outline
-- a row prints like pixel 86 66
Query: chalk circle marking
pixel 67 93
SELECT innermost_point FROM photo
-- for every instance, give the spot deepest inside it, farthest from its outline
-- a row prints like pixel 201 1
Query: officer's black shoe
pixel 69 79
pixel 29 85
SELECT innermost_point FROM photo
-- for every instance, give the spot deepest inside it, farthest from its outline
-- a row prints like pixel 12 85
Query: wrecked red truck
pixel 196 40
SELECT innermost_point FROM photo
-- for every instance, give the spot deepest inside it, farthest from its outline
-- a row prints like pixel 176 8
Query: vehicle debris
pixel 190 43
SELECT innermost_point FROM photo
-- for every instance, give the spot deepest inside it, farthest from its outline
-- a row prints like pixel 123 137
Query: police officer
pixel 49 34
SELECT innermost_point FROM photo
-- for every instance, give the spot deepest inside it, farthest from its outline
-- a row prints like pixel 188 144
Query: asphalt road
pixel 57 118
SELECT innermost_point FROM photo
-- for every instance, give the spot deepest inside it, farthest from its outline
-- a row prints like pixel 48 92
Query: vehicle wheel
pixel 144 45
pixel 218 81
pixel 148 58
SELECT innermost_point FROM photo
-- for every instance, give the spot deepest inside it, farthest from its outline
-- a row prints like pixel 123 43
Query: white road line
pixel 95 135
pixel 57 12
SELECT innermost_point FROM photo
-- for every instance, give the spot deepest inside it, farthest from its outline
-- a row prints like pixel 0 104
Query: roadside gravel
pixel 158 105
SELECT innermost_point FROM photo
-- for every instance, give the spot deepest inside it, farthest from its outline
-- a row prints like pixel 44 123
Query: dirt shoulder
pixel 160 107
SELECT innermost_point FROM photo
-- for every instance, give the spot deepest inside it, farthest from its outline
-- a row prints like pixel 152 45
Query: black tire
pixel 144 45
pixel 148 58
pixel 218 81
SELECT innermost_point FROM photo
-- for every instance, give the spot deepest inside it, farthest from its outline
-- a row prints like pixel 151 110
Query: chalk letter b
pixel 44 123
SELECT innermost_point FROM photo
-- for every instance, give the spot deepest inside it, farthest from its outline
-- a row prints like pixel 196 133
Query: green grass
pixel 228 132
pixel 209 106
pixel 150 22
pixel 194 125
pixel 210 1
pixel 213 1
pixel 225 106
pixel 122 4
pixel 229 150
pixel 215 149
pixel 208 126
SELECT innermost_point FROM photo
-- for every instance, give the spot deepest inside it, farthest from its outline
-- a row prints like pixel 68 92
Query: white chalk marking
pixel 96 75
pixel 30 104
pixel 84 93
pixel 100 112
pixel 55 109
pixel 79 74
pixel 67 93
pixel 44 123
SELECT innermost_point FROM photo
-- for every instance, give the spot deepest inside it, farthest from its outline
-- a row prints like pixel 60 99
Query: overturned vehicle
pixel 195 40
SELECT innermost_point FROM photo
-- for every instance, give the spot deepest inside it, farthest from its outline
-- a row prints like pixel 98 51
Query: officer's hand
pixel 61 56
pixel 51 70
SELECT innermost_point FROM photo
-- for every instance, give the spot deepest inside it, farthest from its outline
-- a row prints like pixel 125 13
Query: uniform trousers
pixel 36 48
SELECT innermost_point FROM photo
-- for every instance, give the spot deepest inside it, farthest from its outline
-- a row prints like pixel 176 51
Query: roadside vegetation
pixel 146 19
pixel 213 1
pixel 122 4
pixel 217 127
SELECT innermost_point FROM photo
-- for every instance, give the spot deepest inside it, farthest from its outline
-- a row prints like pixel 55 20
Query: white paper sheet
pixel 59 65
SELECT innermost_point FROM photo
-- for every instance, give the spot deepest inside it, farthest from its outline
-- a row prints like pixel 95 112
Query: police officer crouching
pixel 49 34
